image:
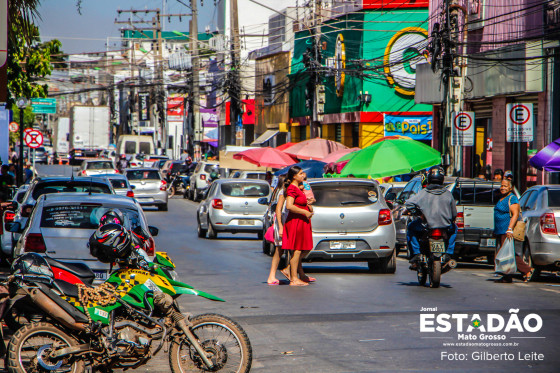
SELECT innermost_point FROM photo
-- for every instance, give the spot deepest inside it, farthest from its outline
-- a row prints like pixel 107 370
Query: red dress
pixel 297 229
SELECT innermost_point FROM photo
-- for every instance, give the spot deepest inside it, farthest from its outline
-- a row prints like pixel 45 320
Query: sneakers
pixel 414 261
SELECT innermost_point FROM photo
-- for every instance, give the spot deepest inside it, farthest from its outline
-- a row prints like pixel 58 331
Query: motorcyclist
pixel 438 210
pixel 122 163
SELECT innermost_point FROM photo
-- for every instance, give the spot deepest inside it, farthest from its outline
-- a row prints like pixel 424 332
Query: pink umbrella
pixel 265 157
pixel 335 156
pixel 314 149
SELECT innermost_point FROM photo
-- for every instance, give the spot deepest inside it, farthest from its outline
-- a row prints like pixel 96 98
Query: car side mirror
pixel 153 231
pixel 14 227
pixel 263 201
pixel 132 186
pixel 390 196
pixel 26 210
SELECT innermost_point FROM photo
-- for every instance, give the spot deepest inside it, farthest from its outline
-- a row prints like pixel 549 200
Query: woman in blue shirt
pixel 506 214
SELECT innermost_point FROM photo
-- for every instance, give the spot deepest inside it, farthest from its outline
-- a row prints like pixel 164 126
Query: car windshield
pixel 481 194
pixel 142 175
pixel 83 216
pixel 350 195
pixel 70 187
pixel 119 184
pixel 245 189
pixel 99 165
pixel 554 198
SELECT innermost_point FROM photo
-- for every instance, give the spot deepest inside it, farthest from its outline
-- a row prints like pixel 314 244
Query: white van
pixel 134 144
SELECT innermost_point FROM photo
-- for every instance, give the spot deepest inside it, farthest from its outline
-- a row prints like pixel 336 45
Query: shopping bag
pixel 269 235
pixel 505 259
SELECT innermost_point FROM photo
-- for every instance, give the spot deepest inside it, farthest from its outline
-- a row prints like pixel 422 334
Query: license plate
pixel 489 242
pixel 100 275
pixel 437 246
pixel 246 222
pixel 342 245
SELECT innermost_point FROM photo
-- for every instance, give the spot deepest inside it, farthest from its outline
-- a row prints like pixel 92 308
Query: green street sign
pixel 43 105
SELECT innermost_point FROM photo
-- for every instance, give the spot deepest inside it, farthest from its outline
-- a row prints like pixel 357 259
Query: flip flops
pixel 275 282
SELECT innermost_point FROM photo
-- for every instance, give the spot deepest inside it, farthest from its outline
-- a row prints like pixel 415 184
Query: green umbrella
pixel 391 157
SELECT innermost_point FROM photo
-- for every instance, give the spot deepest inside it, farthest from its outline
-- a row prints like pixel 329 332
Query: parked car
pixel 200 179
pixel 51 185
pixel 232 205
pixel 244 174
pixel 149 187
pixel 120 184
pixel 540 209
pixel 61 225
pixel 92 167
pixel 352 223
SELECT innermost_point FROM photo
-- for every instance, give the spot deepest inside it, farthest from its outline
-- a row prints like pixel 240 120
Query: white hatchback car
pixel 94 167
pixel 61 225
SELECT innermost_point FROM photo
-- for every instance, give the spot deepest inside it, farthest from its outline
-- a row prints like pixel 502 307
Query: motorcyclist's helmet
pixel 32 264
pixel 436 175
pixel 123 156
pixel 112 216
pixel 110 242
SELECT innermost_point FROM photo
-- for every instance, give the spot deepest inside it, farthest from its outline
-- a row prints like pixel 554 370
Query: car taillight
pixel 9 216
pixel 151 247
pixel 384 217
pixel 130 194
pixel 436 234
pixel 34 243
pixel 162 186
pixel 460 220
pixel 548 224
pixel 133 164
pixel 116 171
pixel 217 204
pixel 202 177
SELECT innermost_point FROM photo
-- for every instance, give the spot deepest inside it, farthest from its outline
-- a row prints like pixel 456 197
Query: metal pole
pixel 20 165
pixel 34 150
pixel 195 82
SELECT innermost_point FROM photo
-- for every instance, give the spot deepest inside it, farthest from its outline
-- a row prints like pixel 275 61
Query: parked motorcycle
pixel 433 246
pixel 121 324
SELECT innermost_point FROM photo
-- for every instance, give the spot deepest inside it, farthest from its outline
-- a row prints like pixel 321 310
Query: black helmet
pixel 32 264
pixel 112 216
pixel 436 175
pixel 110 242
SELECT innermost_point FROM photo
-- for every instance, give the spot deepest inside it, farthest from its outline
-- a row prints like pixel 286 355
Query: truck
pixel 62 135
pixel 89 127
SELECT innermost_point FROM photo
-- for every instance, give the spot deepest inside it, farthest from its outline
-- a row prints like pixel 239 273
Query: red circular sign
pixel 527 116
pixel 14 127
pixel 459 124
pixel 33 138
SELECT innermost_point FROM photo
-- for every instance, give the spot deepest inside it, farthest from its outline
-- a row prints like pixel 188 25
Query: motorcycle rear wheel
pixel 435 274
pixel 225 341
pixel 26 342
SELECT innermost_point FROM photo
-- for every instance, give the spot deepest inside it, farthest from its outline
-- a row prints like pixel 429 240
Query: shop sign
pixel 519 122
pixel 143 106
pixel 462 131
pixel 417 127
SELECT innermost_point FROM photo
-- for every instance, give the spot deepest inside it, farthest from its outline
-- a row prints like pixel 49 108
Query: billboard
pixel 417 127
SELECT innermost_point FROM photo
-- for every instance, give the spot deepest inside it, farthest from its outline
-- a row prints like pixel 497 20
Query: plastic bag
pixel 505 259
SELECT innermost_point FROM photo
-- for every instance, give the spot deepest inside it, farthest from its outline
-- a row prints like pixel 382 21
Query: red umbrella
pixel 285 146
pixel 335 156
pixel 265 157
pixel 314 149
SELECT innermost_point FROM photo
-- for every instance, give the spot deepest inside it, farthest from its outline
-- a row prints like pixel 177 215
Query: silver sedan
pixel 232 205
pixel 149 187
pixel 540 208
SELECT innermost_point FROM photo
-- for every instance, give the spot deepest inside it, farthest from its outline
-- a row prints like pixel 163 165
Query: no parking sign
pixel 462 130
pixel 519 117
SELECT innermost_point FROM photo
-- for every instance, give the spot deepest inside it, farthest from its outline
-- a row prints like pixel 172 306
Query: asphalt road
pixel 354 321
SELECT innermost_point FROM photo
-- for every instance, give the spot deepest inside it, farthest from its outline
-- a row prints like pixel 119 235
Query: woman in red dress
pixel 297 235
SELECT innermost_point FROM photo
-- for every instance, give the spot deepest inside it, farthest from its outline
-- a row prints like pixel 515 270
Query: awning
pixel 265 137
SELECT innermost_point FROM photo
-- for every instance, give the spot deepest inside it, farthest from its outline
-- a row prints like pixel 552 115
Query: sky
pixel 89 31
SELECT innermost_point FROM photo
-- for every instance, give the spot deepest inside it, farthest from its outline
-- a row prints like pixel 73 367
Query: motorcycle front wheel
pixel 29 348
pixel 225 342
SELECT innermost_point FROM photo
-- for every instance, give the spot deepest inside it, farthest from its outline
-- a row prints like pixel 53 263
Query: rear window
pixel 554 198
pixel 142 175
pixel 209 167
pixel 119 184
pixel 145 147
pixel 256 176
pixel 83 216
pixel 99 165
pixel 486 195
pixel 70 187
pixel 245 190
pixel 351 195
pixel 130 147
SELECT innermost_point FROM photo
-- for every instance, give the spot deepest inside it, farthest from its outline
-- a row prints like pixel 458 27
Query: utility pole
pixel 234 80
pixel 195 90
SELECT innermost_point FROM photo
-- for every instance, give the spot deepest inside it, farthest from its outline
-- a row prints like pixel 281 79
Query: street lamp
pixel 21 103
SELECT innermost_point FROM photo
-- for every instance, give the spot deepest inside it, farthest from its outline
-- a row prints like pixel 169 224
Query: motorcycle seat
pixel 79 270
pixel 67 288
